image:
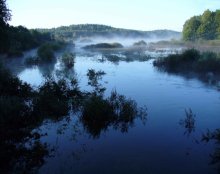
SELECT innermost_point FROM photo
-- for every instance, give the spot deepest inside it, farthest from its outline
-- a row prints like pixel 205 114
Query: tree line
pixel 15 40
pixel 205 27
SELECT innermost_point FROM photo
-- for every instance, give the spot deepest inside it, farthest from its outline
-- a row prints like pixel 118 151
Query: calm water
pixel 159 145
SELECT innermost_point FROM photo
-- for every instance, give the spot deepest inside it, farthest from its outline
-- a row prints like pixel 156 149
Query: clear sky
pixel 131 14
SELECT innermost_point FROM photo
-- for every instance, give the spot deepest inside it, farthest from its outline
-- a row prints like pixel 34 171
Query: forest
pixel 202 27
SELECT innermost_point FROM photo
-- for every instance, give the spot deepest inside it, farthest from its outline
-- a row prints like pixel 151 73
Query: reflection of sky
pixel 160 142
pixel 32 76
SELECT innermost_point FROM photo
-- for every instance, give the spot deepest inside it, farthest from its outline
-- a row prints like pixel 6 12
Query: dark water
pixel 159 144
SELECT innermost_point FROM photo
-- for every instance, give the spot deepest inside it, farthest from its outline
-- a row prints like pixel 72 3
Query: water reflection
pixel 98 114
pixel 189 122
pixel 213 136
pixel 20 147
pixel 215 155
pixel 97 119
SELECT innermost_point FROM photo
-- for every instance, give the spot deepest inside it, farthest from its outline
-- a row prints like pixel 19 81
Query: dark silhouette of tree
pixel 5 16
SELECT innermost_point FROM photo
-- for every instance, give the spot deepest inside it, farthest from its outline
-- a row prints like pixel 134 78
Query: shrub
pixel 45 53
pixel 68 59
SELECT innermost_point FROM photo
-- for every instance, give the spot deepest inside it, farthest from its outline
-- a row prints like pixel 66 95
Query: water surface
pixel 159 144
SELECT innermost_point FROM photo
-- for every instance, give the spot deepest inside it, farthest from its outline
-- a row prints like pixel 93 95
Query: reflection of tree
pixel 65 73
pixel 47 69
pixel 98 114
pixel 93 80
pixel 23 109
pixel 189 122
pixel 215 136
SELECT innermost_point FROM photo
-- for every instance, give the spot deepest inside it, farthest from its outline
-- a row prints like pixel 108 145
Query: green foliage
pixel 190 29
pixel 204 27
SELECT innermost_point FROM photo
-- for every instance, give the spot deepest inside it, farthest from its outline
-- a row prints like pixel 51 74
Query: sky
pixel 131 14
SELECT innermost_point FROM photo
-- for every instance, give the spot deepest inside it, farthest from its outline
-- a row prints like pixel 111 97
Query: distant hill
pixel 93 30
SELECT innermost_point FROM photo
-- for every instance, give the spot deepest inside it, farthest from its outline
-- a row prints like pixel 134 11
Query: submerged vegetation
pixel 189 122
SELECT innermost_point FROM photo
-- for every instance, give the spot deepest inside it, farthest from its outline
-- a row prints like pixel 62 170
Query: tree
pixel 190 28
pixel 5 16
pixel 206 26
pixel 217 24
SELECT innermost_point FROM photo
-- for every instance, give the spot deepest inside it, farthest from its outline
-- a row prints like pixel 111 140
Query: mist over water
pixel 125 41
pixel 171 132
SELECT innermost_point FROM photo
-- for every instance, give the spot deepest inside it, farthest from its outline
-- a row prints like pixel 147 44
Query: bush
pixel 104 46
pixel 45 53
pixel 68 59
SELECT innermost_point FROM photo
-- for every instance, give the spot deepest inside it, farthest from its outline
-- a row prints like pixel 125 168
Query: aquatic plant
pixel 68 59
pixel 93 81
pixel 189 122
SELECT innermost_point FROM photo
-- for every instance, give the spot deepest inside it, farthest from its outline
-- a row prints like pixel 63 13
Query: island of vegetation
pixel 104 46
